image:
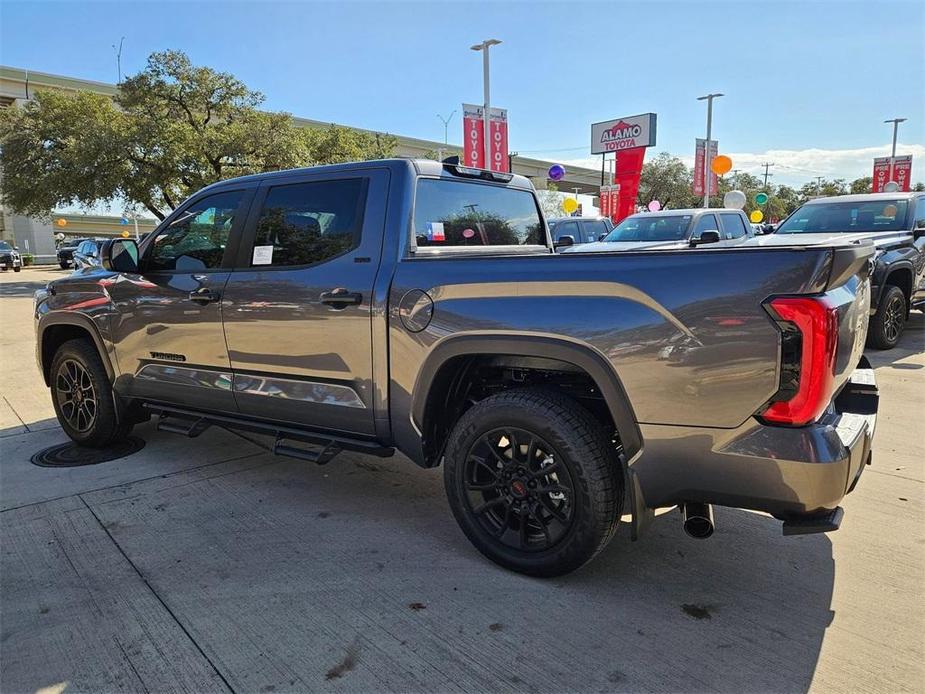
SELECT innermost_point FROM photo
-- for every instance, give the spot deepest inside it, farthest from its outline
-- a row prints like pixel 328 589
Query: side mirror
pixel 564 240
pixel 709 236
pixel 918 233
pixel 120 255
pixel 601 237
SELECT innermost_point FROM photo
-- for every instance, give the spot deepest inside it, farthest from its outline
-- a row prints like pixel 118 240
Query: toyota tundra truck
pixel 420 307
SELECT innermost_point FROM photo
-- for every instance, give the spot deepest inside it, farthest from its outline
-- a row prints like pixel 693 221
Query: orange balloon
pixel 62 222
pixel 721 164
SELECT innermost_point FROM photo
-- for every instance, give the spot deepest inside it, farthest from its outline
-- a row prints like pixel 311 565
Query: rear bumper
pixel 787 472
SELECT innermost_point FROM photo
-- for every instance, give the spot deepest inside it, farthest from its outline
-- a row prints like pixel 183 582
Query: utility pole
pixel 119 58
pixel 484 46
pixel 735 178
pixel 895 122
pixel 819 180
pixel 706 154
pixel 767 165
pixel 446 125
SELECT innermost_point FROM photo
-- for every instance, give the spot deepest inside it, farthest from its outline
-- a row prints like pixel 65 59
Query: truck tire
pixel 887 324
pixel 17 269
pixel 64 265
pixel 533 481
pixel 83 397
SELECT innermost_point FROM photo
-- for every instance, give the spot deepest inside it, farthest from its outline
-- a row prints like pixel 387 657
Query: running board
pixel 191 423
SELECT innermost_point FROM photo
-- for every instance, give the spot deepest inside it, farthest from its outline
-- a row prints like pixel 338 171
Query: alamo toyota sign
pixel 623 133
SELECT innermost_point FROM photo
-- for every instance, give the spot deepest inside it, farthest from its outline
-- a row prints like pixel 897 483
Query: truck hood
pixel 878 238
pixel 613 246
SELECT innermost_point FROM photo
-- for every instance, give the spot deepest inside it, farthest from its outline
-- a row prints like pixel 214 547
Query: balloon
pixel 761 198
pixel 124 234
pixel 570 205
pixel 468 233
pixel 721 164
pixel 61 222
pixel 734 200
pixel 756 216
pixel 889 211
pixel 556 172
pixel 655 206
pixel 891 187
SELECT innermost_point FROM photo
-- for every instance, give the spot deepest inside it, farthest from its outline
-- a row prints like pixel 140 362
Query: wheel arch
pixel 441 368
pixel 56 329
pixel 901 276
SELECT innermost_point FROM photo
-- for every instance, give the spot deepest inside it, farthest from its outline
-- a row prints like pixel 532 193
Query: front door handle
pixel 340 298
pixel 204 295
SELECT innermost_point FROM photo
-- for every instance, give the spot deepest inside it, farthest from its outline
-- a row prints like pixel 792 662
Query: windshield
pixel 644 228
pixel 4 246
pixel 867 215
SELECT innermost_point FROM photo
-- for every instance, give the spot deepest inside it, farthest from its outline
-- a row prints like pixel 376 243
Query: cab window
pixel 706 223
pixel 309 223
pixel 196 239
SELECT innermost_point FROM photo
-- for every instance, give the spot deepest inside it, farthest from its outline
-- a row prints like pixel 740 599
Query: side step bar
pixel 191 423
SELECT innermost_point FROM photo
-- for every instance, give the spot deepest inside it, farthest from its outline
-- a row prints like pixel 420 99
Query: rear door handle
pixel 340 298
pixel 204 295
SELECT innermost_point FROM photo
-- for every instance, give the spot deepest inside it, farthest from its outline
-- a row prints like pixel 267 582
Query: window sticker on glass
pixel 435 231
pixel 263 255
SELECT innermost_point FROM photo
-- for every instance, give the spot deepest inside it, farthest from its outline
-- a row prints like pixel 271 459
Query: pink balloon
pixel 655 206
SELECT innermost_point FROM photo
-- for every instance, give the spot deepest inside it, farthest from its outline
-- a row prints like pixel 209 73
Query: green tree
pixel 173 128
pixel 861 185
pixel 551 202
pixel 668 180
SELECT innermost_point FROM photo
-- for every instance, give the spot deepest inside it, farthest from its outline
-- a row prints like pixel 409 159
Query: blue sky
pixel 807 84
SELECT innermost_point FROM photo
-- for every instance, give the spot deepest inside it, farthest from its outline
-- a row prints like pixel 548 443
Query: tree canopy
pixel 171 129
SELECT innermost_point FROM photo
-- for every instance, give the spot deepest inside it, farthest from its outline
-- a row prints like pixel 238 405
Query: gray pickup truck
pixel 420 306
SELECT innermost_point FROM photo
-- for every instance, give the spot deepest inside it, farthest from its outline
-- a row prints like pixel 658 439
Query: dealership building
pixel 38 237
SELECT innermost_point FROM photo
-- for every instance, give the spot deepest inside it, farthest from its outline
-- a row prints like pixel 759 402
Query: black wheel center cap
pixel 518 488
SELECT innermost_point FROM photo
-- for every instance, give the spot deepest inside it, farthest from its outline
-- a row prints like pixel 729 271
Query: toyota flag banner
pixel 699 165
pixel 902 173
pixel 474 138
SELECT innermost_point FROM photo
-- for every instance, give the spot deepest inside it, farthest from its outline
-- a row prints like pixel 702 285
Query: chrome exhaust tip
pixel 697 519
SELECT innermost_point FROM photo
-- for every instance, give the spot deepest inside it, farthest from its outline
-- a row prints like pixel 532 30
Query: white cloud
pixel 798 166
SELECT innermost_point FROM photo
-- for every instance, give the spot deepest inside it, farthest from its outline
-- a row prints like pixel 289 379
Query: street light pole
pixel 895 122
pixel 446 124
pixel 484 46
pixel 706 153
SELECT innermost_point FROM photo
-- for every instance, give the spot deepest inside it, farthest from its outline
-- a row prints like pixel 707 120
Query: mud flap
pixel 642 516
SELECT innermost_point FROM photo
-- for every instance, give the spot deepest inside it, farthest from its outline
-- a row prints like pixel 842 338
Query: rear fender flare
pixel 578 354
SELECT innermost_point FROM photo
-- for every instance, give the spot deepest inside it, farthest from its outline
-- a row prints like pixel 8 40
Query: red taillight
pixel 817 321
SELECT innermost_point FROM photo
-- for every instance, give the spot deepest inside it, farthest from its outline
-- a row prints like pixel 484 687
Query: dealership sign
pixel 474 138
pixel 623 133
pixel 902 173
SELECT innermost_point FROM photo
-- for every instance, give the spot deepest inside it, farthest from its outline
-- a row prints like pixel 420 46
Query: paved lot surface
pixel 208 565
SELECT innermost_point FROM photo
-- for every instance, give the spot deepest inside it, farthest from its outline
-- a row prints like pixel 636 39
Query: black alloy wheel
pixel 518 490
pixel 76 396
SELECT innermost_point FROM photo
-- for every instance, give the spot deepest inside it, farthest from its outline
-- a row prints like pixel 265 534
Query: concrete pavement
pixel 209 565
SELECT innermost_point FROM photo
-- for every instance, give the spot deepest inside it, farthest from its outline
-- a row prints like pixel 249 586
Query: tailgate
pixel 848 288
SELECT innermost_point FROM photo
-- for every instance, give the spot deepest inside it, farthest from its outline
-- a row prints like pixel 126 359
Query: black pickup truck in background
pixel 895 224
pixel 420 306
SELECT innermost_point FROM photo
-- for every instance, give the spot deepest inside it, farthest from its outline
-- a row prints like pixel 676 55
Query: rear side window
pixel 309 223
pixel 920 213
pixel 733 225
pixel 594 230
pixel 459 213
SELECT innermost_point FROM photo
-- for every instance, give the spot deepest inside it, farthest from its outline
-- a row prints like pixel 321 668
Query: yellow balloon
pixel 570 205
pixel 124 234
pixel 756 216
pixel 721 164
pixel 61 222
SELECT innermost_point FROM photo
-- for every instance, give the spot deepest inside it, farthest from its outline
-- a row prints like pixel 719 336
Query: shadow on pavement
pixel 912 342
pixel 281 572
